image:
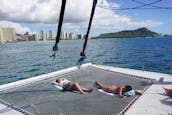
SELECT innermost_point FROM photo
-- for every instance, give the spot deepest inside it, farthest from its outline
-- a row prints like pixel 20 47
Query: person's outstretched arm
pixel 57 81
pixel 54 82
pixel 138 92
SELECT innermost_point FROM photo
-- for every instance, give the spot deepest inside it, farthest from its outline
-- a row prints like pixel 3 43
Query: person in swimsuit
pixel 114 89
pixel 70 86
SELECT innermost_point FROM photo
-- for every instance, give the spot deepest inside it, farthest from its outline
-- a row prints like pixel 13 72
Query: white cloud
pixel 111 20
pixel 19 28
pixel 76 14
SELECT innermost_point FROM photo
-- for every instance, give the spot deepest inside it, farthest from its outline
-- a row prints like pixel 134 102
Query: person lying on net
pixel 67 85
pixel 117 90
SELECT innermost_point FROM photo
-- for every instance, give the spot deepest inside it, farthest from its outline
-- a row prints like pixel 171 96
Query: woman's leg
pixel 87 89
pixel 102 86
pixel 77 87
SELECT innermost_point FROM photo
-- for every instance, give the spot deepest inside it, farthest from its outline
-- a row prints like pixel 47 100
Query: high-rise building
pixel 67 36
pixel 42 37
pixel 7 35
pixel 50 35
pixel 72 36
pixel 62 35
pixel 46 36
pixel 79 36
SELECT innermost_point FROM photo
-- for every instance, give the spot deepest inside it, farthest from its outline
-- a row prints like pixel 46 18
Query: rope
pixel 142 6
pixel 145 4
pixel 82 54
pixel 55 47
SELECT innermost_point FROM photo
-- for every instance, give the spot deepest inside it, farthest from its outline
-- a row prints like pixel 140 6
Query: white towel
pixel 111 94
pixel 58 87
pixel 129 93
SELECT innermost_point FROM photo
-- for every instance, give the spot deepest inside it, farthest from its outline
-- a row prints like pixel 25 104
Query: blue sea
pixel 28 59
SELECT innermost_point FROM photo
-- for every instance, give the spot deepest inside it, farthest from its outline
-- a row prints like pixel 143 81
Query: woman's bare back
pixel 110 89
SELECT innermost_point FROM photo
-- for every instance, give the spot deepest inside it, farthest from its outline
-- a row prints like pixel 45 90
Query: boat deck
pixel 42 98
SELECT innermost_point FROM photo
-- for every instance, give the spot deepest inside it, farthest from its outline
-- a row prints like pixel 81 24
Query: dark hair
pixel 128 87
pixel 57 80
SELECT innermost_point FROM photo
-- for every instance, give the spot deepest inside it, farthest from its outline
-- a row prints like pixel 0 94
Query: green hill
pixel 141 32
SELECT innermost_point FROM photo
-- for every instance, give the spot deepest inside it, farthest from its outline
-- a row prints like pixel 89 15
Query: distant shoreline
pixel 90 39
pixel 138 33
pixel 132 38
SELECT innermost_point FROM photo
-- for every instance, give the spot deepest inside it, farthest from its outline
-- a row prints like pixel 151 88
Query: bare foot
pixel 83 93
pixel 90 90
pixel 97 82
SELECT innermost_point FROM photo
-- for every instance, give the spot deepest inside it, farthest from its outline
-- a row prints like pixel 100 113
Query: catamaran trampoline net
pixel 42 98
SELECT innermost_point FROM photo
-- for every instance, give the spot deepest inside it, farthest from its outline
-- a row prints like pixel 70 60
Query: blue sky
pixel 161 15
pixel 36 15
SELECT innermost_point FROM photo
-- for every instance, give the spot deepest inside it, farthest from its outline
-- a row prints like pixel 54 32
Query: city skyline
pixel 10 35
pixel 36 15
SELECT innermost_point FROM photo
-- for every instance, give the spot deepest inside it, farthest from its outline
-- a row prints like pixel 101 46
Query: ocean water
pixel 28 59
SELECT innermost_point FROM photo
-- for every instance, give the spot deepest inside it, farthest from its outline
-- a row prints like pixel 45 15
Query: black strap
pixel 89 26
pixel 55 47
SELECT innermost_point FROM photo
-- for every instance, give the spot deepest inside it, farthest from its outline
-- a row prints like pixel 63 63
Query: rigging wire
pixel 55 47
pixel 153 6
pixel 149 4
pixel 140 7
pixel 130 8
pixel 145 3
